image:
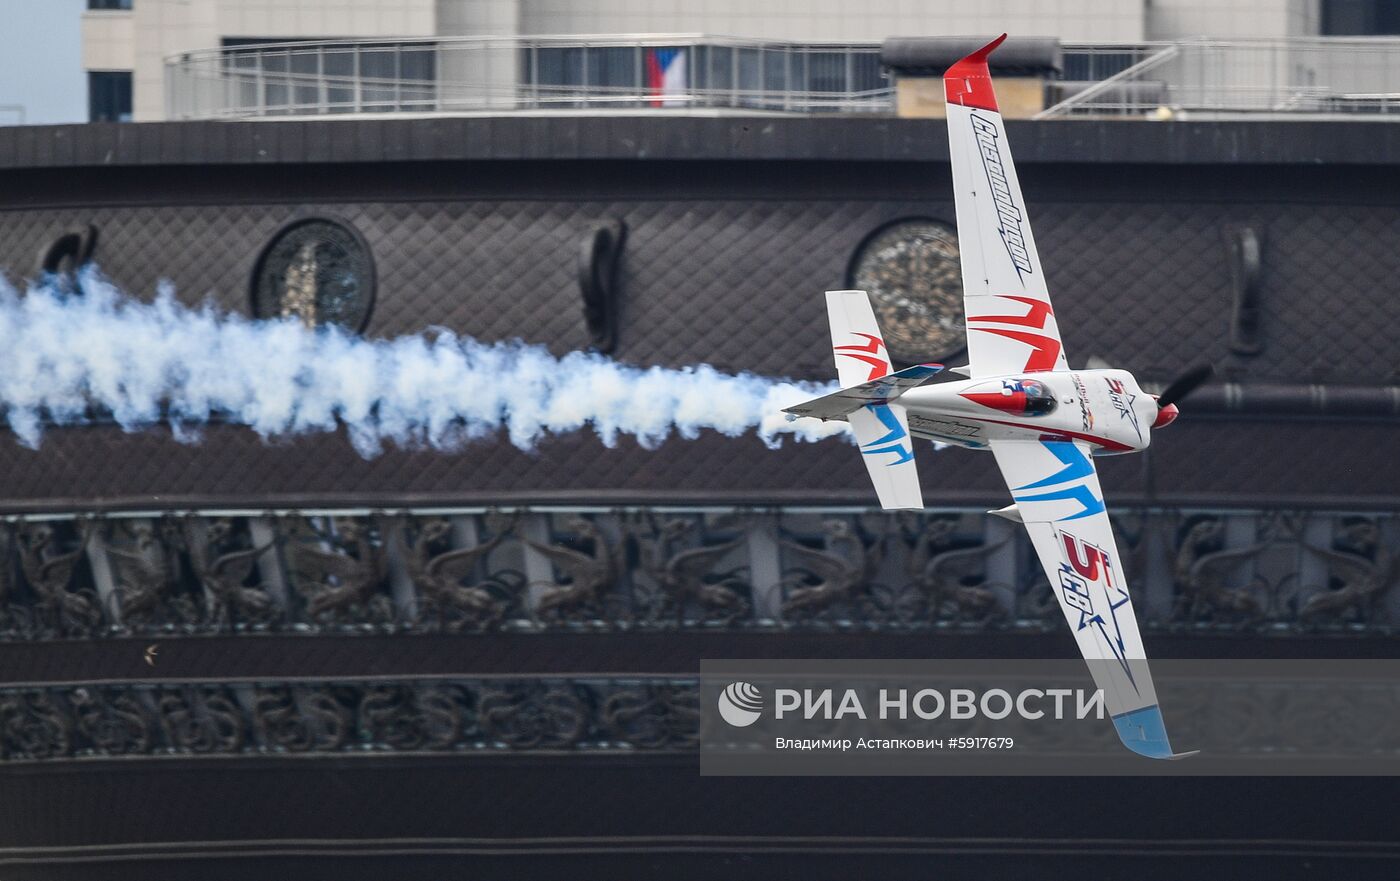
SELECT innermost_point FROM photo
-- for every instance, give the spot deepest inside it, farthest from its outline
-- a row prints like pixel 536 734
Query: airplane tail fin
pixel 868 399
pixel 856 338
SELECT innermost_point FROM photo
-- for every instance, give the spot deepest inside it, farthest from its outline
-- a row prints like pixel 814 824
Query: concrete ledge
pixel 666 137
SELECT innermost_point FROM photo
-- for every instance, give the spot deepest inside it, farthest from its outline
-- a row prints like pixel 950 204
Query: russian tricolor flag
pixel 666 75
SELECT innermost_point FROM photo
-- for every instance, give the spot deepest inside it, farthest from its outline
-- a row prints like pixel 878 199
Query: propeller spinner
pixel 1177 390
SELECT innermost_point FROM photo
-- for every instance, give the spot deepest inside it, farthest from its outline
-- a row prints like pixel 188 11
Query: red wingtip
pixel 969 82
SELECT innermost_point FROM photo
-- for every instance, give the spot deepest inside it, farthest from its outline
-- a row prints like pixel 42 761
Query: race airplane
pixel 1041 420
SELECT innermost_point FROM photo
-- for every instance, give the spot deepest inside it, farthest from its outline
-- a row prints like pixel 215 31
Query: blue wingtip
pixel 1144 732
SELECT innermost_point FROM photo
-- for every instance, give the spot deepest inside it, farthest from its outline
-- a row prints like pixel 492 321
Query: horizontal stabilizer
pixel 876 391
pixel 882 430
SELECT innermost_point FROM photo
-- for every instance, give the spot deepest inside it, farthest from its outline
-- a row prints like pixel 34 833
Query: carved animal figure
pixel 933 538
pixel 1366 569
pixel 115 720
pixel 1201 576
pixel 412 717
pixel 224 569
pixel 440 575
pixel 334 582
pixel 688 575
pixel 585 574
pixel 652 716
pixel 942 583
pixel 300 719
pixel 202 719
pixel 1132 531
pixel 837 575
pixel 143 575
pixel 50 572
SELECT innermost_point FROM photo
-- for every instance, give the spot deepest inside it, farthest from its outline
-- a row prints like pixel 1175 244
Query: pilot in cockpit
pixel 1028 396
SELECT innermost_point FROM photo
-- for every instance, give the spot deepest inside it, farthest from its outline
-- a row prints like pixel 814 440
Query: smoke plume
pixel 65 357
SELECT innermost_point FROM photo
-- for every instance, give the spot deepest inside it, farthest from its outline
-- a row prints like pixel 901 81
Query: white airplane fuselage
pixel 1105 408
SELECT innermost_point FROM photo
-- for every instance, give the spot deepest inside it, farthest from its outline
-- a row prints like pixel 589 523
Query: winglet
pixel 969 82
pixel 1143 731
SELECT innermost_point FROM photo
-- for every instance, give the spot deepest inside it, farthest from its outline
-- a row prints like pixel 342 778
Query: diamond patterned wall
pixel 735 279
pixel 738 283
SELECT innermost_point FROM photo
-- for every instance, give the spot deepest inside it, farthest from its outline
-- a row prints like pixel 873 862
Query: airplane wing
pixel 1011 325
pixel 1059 500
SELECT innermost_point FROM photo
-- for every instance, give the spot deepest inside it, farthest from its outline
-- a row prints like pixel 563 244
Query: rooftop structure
pixel 128 43
pixel 1327 77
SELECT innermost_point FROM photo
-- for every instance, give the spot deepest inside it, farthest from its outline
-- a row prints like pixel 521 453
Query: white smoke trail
pixel 63 355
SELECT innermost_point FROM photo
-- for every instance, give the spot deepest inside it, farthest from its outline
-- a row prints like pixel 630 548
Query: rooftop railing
pixel 1326 76
pixel 1329 76
pixel 489 74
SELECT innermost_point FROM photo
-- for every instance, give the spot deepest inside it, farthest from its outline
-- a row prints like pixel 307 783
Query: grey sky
pixel 41 64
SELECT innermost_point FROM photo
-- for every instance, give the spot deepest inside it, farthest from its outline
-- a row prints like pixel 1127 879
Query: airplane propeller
pixel 1184 385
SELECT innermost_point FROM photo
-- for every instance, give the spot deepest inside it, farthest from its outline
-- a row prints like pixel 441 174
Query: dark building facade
pixel 733 230
pixel 321 611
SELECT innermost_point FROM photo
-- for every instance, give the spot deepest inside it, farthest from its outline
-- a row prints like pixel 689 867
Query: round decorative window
pixel 318 271
pixel 910 269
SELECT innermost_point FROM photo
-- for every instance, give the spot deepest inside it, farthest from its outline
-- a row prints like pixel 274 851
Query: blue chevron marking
pixel 893 441
pixel 1081 494
pixel 889 420
pixel 1076 464
pixel 902 452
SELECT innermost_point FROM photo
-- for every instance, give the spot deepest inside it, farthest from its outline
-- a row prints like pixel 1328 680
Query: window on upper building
pixel 693 75
pixel 109 96
pixel 329 78
pixel 109 4
pixel 1360 17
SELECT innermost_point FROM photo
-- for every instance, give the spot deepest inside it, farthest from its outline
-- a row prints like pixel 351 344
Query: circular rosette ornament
pixel 911 271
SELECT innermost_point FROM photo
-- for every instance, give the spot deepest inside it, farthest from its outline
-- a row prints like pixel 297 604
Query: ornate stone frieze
pixel 538 570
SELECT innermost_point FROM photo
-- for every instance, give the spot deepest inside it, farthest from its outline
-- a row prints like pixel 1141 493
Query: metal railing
pixel 491 74
pixel 1201 78
pixel 1331 76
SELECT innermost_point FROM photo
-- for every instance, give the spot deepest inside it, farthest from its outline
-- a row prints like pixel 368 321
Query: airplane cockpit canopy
pixel 1015 397
pixel 1031 397
pixel 1019 397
